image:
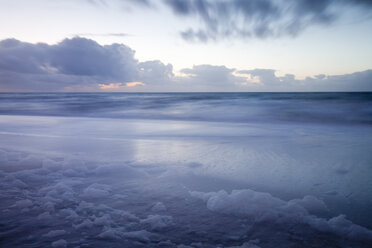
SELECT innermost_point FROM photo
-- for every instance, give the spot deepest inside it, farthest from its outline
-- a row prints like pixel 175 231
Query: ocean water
pixel 335 108
pixel 185 170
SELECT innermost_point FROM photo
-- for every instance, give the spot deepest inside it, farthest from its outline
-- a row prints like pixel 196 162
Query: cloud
pixel 133 84
pixel 81 64
pixel 214 20
pixel 210 78
pixel 72 64
pixel 266 80
pixel 110 86
pixel 357 81
pixel 81 56
pixel 133 2
pixel 103 35
pixel 180 7
pixel 259 18
pixel 155 72
pixel 263 75
pixel 141 2
pixel 127 6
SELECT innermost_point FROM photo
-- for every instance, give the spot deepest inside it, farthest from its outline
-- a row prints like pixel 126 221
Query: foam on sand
pixel 261 207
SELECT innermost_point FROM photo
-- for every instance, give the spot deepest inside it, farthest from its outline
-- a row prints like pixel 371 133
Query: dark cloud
pixel 258 18
pixel 72 63
pixel 361 2
pixel 81 56
pixel 23 57
pixel 181 7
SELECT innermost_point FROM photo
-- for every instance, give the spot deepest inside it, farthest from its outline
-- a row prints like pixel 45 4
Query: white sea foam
pixel 263 207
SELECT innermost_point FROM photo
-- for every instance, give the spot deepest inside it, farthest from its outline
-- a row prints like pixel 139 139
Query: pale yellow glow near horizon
pixel 132 84
pixel 110 86
pixel 119 86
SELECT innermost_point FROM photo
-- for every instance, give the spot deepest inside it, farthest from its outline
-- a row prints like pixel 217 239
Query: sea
pixel 253 170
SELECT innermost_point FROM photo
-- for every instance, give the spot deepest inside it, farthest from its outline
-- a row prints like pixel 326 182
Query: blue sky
pixel 188 45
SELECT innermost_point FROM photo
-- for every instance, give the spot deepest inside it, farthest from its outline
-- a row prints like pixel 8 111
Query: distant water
pixel 336 108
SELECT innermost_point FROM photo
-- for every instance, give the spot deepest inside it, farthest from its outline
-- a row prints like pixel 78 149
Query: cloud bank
pixel 73 64
pixel 214 20
pixel 81 64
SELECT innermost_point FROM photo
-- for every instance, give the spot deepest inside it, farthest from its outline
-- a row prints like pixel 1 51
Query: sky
pixel 185 45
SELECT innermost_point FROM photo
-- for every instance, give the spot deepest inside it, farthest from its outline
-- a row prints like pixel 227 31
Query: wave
pixel 338 108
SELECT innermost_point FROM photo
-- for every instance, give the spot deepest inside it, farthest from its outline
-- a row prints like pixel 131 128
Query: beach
pixel 185 170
